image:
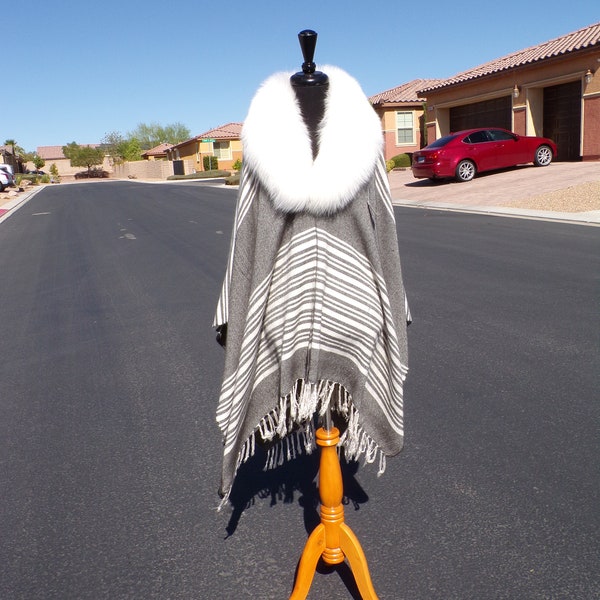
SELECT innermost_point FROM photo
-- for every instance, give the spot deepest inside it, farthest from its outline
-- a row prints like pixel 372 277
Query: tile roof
pixel 227 131
pixel 578 40
pixel 407 92
pixel 50 152
pixel 55 152
pixel 157 150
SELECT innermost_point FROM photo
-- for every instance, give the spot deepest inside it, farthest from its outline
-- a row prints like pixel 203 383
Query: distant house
pixel 7 158
pixel 158 152
pixel 401 111
pixel 223 142
pixel 551 90
pixel 54 155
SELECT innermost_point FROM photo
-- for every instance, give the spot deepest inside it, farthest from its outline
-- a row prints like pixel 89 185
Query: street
pixel 110 454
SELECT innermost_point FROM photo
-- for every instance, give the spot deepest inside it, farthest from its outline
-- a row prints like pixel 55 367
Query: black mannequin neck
pixel 312 100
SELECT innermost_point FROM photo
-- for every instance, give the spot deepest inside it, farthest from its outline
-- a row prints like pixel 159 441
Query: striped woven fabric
pixel 316 321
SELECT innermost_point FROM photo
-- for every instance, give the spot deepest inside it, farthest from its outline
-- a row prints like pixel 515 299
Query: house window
pixel 222 150
pixel 405 131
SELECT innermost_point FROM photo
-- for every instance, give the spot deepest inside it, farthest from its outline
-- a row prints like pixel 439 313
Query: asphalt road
pixel 109 376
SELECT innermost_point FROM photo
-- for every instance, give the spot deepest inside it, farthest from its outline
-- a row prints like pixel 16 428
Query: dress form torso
pixel 311 100
pixel 310 87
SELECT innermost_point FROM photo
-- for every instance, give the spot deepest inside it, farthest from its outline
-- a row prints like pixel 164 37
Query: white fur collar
pixel 277 144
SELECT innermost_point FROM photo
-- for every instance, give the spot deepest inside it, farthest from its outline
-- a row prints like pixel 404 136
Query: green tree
pixel 121 149
pixel 112 143
pixel 28 157
pixel 13 144
pixel 150 135
pixel 83 156
pixel 38 161
pixel 131 150
pixel 17 151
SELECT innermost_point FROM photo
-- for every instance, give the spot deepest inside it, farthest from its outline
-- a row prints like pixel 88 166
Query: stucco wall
pixel 147 169
pixel 64 166
pixel 387 116
pixel 195 152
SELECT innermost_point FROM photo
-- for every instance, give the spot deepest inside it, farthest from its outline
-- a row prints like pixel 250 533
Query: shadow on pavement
pixel 296 478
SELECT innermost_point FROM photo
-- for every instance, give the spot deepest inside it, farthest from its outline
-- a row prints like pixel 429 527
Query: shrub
pixel 233 180
pixel 54 173
pixel 210 163
pixel 389 165
pixel 237 165
pixel 401 160
pixel 45 178
pixel 31 177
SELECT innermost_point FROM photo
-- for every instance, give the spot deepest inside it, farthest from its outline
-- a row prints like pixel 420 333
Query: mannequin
pixel 332 540
pixel 313 297
pixel 311 87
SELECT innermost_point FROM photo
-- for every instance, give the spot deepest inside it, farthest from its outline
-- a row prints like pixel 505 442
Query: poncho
pixel 313 297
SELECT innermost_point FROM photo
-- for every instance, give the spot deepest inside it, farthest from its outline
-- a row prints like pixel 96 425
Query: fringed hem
pixel 291 426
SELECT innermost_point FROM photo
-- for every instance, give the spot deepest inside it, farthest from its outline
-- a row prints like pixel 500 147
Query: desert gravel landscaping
pixel 584 197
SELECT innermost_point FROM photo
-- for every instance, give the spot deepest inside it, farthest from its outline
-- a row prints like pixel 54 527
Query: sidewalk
pixel 562 191
pixel 10 203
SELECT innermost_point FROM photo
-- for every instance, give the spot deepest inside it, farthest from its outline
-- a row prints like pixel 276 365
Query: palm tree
pixel 16 150
pixel 11 143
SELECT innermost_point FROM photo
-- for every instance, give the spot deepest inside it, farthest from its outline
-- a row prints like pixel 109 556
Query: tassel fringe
pixel 291 426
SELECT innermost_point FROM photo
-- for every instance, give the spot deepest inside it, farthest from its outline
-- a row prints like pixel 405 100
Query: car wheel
pixel 543 156
pixel 465 170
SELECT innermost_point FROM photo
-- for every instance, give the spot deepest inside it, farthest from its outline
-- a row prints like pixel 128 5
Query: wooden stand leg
pixel 332 539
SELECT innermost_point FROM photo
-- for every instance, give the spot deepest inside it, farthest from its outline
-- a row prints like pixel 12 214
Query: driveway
pixel 570 189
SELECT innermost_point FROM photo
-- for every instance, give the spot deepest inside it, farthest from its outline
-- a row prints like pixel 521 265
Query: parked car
pixel 6 177
pixel 36 172
pixel 465 153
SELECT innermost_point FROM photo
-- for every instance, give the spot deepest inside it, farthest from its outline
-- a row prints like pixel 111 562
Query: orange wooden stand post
pixel 332 539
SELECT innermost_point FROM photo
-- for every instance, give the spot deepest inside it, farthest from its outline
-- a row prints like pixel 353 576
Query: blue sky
pixel 82 70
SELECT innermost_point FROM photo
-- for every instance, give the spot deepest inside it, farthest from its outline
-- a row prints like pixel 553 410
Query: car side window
pixel 477 137
pixel 501 136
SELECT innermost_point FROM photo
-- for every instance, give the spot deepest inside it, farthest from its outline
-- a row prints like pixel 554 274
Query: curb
pixel 591 219
pixel 12 206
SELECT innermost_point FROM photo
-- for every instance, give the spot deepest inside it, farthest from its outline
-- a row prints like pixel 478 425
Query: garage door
pixel 489 113
pixel 562 118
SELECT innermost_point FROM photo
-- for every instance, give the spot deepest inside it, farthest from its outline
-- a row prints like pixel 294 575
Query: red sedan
pixel 463 154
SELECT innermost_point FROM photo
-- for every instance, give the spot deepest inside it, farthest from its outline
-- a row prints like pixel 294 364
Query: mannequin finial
pixel 308 76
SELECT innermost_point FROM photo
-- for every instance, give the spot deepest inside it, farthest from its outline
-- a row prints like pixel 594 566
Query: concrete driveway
pixel 518 191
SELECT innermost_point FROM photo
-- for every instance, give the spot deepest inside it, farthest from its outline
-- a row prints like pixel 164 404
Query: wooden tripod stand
pixel 332 539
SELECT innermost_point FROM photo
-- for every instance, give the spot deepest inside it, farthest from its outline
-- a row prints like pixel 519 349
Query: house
pixel 54 155
pixel 223 142
pixel 158 152
pixel 401 111
pixel 8 158
pixel 550 90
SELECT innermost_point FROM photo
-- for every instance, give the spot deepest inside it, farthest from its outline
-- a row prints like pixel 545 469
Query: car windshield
pixel 441 142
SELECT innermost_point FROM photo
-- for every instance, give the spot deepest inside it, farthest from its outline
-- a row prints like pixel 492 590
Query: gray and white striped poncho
pixel 313 296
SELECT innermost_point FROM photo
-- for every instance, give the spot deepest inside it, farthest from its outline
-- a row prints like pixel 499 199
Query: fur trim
pixel 350 143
